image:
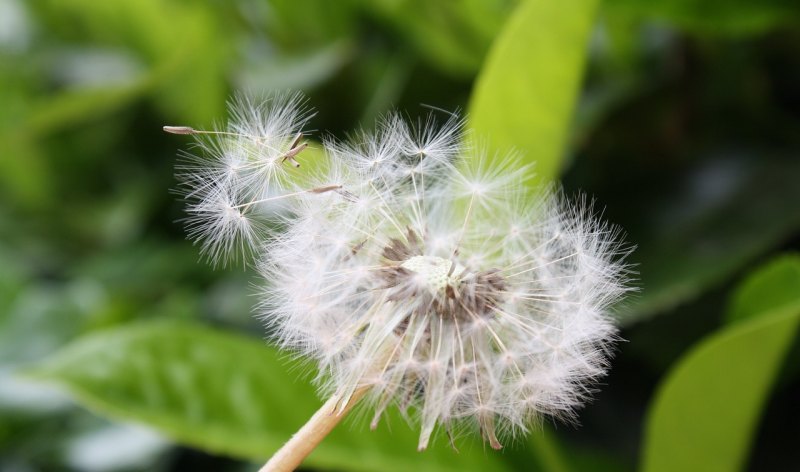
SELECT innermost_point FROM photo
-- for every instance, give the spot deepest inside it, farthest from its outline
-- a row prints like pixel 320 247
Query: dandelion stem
pixel 291 455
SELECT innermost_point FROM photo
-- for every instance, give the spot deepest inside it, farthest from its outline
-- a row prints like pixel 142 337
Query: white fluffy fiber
pixel 549 269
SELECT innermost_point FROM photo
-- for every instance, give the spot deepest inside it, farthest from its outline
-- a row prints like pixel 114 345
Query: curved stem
pixel 291 455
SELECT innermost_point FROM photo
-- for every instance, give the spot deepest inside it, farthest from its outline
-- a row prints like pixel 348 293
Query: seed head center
pixel 435 271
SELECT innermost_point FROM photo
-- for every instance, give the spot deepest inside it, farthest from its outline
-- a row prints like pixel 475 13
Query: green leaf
pixel 774 286
pixel 549 452
pixel 705 414
pixel 694 241
pixel 718 17
pixel 303 25
pixel 452 36
pixel 295 72
pixel 25 178
pixel 73 107
pixel 228 394
pixel 182 44
pixel 526 91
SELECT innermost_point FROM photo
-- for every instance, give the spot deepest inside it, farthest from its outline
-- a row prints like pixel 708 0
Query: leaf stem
pixel 292 454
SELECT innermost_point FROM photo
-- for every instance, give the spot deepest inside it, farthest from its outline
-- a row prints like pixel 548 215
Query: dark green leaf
pixel 725 17
pixel 75 106
pixel 453 36
pixel 697 239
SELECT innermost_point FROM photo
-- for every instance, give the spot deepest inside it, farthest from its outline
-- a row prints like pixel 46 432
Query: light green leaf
pixel 774 286
pixel 526 91
pixel 229 394
pixel 705 414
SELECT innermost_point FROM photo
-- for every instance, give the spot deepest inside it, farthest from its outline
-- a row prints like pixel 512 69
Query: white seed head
pixel 421 268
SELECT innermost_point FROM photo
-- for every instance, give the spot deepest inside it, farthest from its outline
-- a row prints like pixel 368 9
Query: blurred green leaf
pixel 392 75
pixel 526 91
pixel 724 17
pixel 549 452
pixel 72 107
pixel 303 24
pixel 774 286
pixel 52 313
pixel 227 394
pixel 182 43
pixel 704 414
pixel 25 177
pixel 453 36
pixel 299 71
pixel 715 221
pixel 14 277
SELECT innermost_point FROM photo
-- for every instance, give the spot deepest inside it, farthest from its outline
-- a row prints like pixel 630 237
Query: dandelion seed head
pixel 459 308
pixel 423 269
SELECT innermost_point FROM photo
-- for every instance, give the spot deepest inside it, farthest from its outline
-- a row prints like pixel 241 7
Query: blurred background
pixel 687 134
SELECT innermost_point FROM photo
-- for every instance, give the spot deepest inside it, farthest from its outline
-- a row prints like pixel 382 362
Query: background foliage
pixel 119 350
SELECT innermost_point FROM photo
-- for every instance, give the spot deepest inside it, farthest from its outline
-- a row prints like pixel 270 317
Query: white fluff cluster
pixel 415 265
pixel 242 163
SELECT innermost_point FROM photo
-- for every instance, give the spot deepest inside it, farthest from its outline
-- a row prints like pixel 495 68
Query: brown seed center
pixel 438 285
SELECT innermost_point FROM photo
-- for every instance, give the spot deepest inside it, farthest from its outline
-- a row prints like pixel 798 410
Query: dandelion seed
pixel 236 173
pixel 179 129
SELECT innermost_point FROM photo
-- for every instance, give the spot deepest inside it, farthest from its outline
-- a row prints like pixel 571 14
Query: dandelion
pixel 419 274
